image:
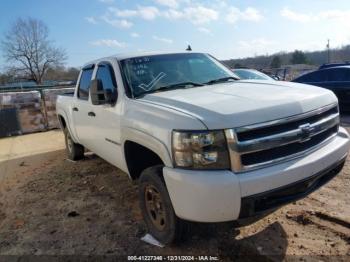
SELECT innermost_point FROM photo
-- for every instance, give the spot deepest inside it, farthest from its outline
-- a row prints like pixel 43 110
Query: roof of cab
pixel 123 56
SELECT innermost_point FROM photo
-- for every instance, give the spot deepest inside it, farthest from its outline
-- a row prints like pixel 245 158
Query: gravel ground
pixel 52 206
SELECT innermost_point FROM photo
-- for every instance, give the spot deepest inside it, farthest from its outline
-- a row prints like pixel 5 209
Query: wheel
pixel 74 151
pixel 157 210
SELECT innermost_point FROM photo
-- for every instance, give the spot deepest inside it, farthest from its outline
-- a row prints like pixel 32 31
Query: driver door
pixel 107 142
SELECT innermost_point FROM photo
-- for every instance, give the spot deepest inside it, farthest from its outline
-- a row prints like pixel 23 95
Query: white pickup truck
pixel 204 146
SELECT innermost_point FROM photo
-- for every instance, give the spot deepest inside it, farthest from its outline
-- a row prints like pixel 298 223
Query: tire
pixel 160 218
pixel 74 151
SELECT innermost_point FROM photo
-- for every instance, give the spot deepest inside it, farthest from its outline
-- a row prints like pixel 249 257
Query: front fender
pixel 148 141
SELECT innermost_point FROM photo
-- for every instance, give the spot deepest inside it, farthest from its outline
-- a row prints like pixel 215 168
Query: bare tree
pixel 27 47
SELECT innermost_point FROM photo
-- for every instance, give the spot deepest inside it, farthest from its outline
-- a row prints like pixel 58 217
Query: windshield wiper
pixel 220 80
pixel 171 87
pixel 177 85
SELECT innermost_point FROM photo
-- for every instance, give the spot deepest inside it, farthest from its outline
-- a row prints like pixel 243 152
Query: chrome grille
pixel 263 144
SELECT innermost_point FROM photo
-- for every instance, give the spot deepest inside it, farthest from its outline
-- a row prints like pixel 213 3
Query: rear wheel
pixel 74 151
pixel 157 210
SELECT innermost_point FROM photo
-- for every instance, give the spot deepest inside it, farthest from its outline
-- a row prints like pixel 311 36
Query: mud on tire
pixel 157 210
pixel 74 151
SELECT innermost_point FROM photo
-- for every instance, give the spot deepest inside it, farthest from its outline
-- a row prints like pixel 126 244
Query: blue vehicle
pixel 335 78
pixel 324 66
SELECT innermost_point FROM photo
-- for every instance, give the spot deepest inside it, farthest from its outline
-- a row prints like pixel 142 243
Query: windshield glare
pixel 149 73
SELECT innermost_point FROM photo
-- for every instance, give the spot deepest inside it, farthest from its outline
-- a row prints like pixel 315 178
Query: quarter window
pixel 84 84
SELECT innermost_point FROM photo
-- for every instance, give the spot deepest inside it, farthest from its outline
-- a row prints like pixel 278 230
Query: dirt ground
pixel 52 206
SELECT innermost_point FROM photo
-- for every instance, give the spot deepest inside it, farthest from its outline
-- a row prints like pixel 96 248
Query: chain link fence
pixel 30 110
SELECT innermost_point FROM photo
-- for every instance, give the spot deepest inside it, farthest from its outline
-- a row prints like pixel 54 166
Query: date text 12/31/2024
pixel 173 258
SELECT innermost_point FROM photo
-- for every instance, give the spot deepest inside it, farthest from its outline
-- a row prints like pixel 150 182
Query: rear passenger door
pixel 82 107
pixel 339 82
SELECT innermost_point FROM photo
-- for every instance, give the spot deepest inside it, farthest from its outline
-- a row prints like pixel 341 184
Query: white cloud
pixel 330 15
pixel 164 40
pixel 233 15
pixel 148 12
pixel 249 14
pixel 256 46
pixel 91 20
pixel 294 16
pixel 204 30
pixel 255 42
pixel 123 13
pixel 124 23
pixel 173 14
pixel 119 23
pixel 333 23
pixel 197 14
pixel 106 1
pixel 193 12
pixel 135 35
pixel 335 15
pixel 200 14
pixel 145 12
pixel 108 43
pixel 168 3
pixel 220 3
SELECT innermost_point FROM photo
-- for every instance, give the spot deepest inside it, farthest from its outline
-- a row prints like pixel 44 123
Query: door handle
pixel 91 114
pixel 75 109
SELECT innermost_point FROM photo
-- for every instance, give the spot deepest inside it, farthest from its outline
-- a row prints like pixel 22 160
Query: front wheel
pixel 74 151
pixel 157 210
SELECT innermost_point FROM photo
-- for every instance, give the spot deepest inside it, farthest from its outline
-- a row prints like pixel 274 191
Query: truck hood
pixel 240 103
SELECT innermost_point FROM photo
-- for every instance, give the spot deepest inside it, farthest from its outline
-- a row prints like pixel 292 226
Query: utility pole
pixel 328 52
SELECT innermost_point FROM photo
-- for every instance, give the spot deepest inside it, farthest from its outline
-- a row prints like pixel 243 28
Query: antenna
pixel 328 52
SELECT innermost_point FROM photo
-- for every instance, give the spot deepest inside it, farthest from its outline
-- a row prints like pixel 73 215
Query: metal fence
pixel 29 110
pixel 31 88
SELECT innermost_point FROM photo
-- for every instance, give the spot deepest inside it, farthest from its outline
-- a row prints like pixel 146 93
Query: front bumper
pixel 219 196
pixel 259 204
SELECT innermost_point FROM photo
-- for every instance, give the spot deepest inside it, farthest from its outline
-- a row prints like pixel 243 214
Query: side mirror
pixel 109 96
pixel 98 95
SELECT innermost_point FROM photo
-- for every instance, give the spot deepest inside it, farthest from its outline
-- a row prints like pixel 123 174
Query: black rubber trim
pixel 111 141
pixel 261 203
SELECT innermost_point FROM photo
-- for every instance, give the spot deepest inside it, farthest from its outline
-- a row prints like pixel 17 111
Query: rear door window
pixel 306 78
pixel 84 84
pixel 314 77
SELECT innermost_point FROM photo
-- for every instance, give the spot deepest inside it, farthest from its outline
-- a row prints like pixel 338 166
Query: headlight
pixel 200 150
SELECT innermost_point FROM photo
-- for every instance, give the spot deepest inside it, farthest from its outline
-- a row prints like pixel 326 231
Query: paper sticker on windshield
pixel 150 85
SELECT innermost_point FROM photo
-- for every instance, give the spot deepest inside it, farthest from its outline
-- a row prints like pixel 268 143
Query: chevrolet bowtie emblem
pixel 306 131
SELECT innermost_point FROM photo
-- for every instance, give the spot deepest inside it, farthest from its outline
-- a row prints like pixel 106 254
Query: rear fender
pixel 69 123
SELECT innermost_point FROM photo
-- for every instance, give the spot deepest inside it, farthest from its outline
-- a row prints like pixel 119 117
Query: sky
pixel 90 29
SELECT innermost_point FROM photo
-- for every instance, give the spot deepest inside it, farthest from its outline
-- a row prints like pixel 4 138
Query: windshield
pixel 251 74
pixel 148 74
